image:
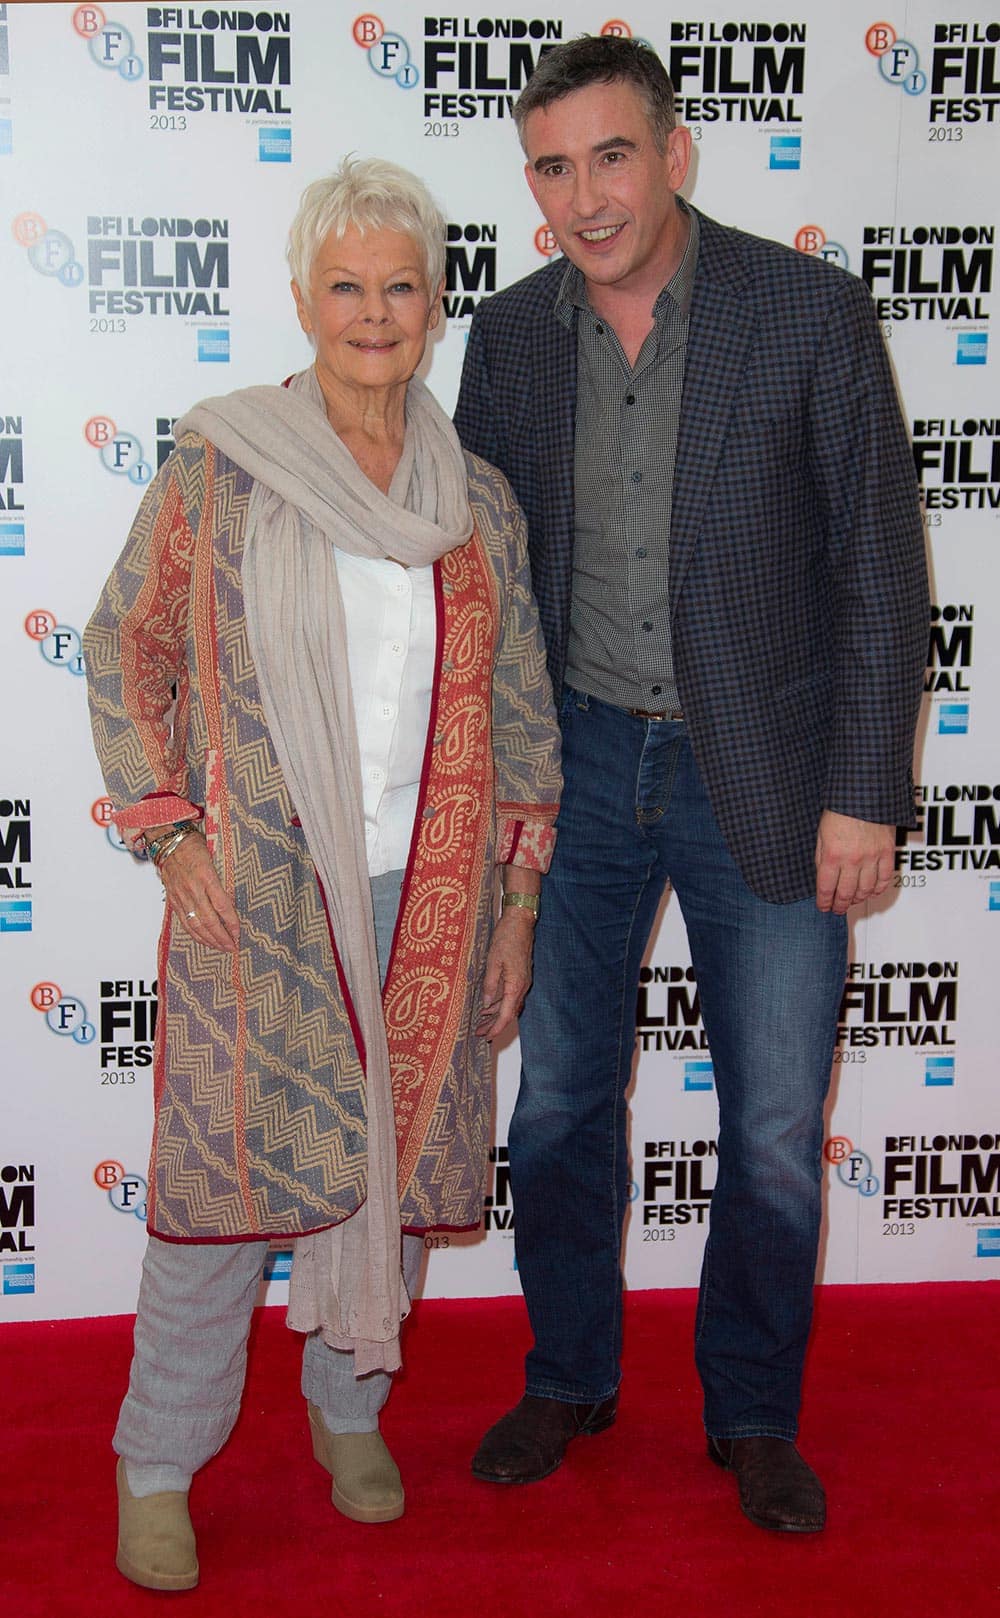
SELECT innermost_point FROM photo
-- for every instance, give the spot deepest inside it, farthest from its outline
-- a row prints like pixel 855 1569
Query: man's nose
pixel 590 195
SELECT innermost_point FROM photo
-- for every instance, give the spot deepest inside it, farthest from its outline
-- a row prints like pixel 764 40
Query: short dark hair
pixel 601 59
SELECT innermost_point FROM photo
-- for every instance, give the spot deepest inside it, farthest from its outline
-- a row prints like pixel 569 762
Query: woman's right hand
pixel 196 896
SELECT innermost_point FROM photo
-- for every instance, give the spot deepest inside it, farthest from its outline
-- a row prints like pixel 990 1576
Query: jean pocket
pixel 572 700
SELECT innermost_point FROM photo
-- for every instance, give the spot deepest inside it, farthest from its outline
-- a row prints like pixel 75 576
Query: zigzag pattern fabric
pixel 259 1081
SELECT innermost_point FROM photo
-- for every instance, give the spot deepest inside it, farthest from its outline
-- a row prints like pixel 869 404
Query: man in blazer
pixel 727 554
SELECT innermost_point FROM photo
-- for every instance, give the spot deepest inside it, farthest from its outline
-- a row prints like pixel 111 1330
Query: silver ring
pixel 192 915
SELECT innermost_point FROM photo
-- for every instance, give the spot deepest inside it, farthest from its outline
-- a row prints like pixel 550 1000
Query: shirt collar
pixel 679 289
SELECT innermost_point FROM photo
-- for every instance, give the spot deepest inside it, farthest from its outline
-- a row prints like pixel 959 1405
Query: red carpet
pixel 901 1422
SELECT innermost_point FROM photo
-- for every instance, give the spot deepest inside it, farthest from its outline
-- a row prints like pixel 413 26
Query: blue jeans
pixel 635 814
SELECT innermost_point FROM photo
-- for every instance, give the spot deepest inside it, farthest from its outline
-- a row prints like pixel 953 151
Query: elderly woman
pixel 318 695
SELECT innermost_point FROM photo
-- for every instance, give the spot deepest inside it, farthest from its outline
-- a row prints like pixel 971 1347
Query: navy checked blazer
pixel 798 582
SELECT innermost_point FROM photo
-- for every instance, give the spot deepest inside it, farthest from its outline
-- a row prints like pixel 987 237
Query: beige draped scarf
pixel 309 496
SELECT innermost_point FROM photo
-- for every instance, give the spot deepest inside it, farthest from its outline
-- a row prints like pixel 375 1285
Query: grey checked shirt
pixel 626 444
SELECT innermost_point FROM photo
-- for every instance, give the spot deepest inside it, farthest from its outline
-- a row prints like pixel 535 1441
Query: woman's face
pixel 368 308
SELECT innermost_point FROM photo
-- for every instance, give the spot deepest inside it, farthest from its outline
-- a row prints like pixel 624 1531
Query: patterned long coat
pixel 259 1074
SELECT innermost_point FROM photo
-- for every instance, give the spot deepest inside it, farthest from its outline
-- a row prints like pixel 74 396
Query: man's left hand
pixel 854 861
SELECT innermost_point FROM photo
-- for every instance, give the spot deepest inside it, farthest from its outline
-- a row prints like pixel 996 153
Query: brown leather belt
pixel 641 713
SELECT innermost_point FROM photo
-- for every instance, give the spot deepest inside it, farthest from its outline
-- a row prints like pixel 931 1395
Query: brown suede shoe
pixel 156 1545
pixel 530 1441
pixel 777 1489
pixel 366 1481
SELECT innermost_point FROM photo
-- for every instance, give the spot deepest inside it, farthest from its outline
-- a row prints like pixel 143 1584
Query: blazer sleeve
pixel 135 651
pixel 864 476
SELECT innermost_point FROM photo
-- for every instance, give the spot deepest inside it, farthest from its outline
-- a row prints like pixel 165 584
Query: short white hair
pixel 369 194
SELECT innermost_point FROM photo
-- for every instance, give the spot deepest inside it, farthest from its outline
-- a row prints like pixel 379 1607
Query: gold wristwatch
pixel 522 901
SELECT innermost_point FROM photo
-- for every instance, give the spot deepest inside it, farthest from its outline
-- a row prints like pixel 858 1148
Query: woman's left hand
pixel 508 972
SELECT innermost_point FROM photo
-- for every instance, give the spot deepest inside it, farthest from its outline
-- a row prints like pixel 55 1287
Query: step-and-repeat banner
pixel 151 158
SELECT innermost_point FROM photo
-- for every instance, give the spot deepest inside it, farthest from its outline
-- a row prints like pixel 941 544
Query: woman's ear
pixel 434 313
pixel 301 309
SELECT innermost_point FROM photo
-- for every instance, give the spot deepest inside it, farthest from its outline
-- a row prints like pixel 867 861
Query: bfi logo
pixel 65 1014
pixel 60 644
pixel 126 1192
pixel 120 452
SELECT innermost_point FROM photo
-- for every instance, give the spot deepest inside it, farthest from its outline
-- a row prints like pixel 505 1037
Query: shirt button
pixel 636 477
pixel 387 710
pixel 641 552
pixel 397 647
pixel 647 625
pixel 376 775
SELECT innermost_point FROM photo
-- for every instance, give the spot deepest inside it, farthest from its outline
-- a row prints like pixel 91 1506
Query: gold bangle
pixel 522 901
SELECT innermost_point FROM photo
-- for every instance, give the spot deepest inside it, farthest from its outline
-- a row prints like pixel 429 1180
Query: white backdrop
pixel 150 161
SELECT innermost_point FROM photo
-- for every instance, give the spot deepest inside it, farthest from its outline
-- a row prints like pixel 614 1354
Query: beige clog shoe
pixel 156 1545
pixel 366 1481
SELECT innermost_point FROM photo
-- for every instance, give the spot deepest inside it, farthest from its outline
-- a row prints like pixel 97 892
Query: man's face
pixel 607 193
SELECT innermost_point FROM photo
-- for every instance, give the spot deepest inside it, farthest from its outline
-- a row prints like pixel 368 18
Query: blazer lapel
pixel 720 338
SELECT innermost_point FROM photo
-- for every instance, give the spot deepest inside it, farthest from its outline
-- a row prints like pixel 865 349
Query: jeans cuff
pixel 755 1431
pixel 569 1396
